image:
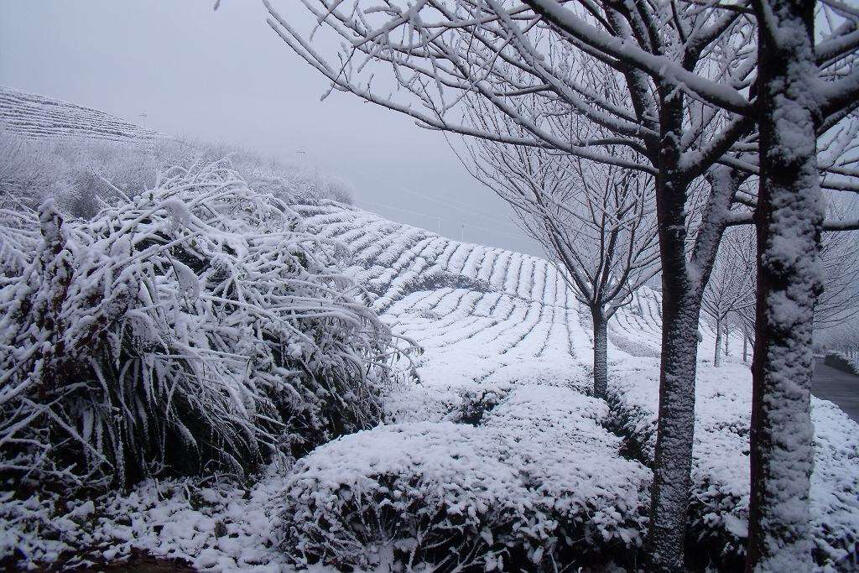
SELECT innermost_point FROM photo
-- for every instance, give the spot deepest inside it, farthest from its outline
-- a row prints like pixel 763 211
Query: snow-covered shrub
pixel 538 485
pixel 214 525
pixel 437 278
pixel 477 401
pixel 193 326
pixel 18 242
pixel 633 426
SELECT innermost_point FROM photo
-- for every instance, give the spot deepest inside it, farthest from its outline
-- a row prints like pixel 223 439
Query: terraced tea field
pixel 34 116
pixel 500 310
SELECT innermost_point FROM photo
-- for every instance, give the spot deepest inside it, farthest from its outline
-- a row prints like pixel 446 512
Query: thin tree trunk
pixel 681 305
pixel 727 339
pixel 745 343
pixel 600 354
pixel 675 432
pixel 789 217
pixel 717 356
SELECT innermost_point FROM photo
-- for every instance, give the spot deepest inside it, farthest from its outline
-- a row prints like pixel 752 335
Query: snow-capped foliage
pixel 213 526
pixel 521 326
pixel 454 496
pixel 194 326
pixel 503 360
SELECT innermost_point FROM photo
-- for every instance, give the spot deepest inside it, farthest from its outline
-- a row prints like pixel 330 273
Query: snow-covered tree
pixel 595 221
pixel 731 289
pixel 692 100
pixel 803 85
pixel 839 255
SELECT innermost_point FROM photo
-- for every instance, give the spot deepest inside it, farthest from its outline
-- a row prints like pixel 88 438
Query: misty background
pixel 184 69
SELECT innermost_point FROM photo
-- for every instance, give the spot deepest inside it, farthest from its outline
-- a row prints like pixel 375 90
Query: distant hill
pixel 34 116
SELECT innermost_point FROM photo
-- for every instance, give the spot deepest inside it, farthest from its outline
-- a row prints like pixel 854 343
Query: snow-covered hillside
pixel 396 262
pixel 488 302
pixel 35 116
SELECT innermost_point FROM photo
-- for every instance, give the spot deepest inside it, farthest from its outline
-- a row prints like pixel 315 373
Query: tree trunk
pixel 600 354
pixel 717 356
pixel 727 339
pixel 681 305
pixel 745 343
pixel 789 217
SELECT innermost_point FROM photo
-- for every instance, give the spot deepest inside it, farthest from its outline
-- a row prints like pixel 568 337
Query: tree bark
pixel 600 354
pixel 789 218
pixel 717 355
pixel 681 306
pixel 727 339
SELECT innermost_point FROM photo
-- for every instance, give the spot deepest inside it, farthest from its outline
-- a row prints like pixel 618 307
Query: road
pixel 837 386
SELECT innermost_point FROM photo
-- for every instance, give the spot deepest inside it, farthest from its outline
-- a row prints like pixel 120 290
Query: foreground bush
pixel 195 326
pixel 535 485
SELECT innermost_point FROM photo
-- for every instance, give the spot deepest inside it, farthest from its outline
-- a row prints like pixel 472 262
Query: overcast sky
pixel 184 69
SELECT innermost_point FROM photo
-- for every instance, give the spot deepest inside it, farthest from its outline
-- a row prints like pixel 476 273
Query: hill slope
pixel 489 302
pixel 35 116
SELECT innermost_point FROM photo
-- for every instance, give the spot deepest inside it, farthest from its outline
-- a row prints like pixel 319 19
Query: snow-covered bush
pixel 477 401
pixel 537 484
pixel 194 326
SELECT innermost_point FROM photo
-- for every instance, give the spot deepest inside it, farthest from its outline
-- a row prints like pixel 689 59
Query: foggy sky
pixel 183 69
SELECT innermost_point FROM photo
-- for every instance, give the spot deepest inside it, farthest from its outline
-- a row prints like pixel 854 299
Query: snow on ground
pixel 222 527
pixel 486 491
pixel 497 410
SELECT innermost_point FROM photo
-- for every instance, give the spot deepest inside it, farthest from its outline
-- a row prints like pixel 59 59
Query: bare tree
pixel 691 83
pixel 594 220
pixel 839 256
pixel 731 288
